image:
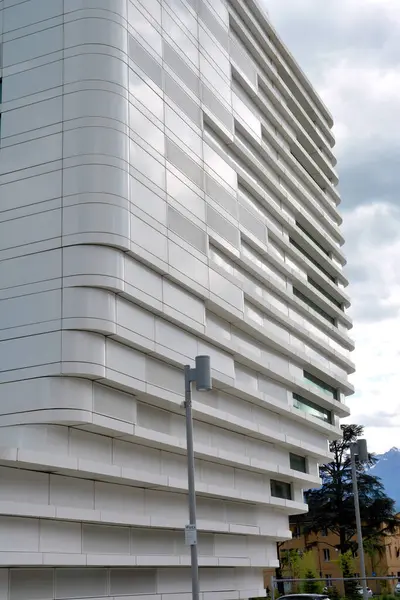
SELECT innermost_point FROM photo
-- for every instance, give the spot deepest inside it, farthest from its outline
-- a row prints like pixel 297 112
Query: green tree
pixel 375 549
pixel 308 571
pixel 334 593
pixel 290 561
pixel 311 586
pixel 346 563
pixel 332 506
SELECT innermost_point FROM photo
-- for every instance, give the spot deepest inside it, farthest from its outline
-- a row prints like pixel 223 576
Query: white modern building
pixel 167 189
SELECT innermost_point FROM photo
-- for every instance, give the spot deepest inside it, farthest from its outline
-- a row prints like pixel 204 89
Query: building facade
pixel 379 563
pixel 167 189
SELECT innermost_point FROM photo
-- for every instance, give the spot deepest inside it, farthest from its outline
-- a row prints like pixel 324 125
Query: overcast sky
pixel 350 51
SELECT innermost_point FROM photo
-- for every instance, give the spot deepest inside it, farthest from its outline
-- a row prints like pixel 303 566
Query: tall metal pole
pixel 353 451
pixel 191 485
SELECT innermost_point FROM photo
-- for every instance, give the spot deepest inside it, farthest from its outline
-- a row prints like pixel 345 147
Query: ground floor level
pixel 54 583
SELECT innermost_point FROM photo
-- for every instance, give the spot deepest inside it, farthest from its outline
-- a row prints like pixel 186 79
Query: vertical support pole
pixel 353 449
pixel 191 484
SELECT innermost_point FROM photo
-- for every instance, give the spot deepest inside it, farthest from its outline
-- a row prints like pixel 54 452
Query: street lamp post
pixel 359 449
pixel 201 376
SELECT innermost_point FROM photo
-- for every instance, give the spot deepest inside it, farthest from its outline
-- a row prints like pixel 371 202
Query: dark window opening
pixel 298 463
pixel 312 260
pixel 321 187
pixel 304 230
pixel 281 489
pixel 314 306
pixel 325 293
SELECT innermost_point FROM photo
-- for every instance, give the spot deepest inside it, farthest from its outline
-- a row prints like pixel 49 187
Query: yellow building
pixel 326 558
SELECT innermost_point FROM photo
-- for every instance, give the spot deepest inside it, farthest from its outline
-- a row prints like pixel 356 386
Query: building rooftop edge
pixel 257 6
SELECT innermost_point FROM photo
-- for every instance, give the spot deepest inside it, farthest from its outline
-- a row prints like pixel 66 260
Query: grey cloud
pixel 318 32
pixel 350 51
pixel 374 178
pixel 373 246
pixel 369 307
pixel 379 419
pixel 378 227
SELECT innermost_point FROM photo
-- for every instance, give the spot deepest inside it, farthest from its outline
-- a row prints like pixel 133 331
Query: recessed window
pixel 327 555
pixel 314 306
pixel 321 385
pixel 324 532
pixel 311 259
pixel 310 237
pixel 281 489
pixel 322 291
pixel 298 463
pixel 312 409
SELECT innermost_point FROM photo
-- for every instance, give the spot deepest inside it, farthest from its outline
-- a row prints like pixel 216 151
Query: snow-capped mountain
pixel 388 469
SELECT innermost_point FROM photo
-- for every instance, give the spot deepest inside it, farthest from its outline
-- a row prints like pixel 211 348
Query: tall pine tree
pixel 332 506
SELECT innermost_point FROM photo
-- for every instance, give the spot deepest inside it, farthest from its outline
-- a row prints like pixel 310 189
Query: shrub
pixel 311 586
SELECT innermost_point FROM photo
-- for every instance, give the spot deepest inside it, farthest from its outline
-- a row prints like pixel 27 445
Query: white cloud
pixel 365 102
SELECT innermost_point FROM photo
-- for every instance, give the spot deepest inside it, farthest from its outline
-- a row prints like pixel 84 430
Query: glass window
pixel 147 165
pixel 146 62
pixel 298 463
pixel 148 97
pixel 312 409
pixel 213 25
pixel 141 24
pixel 146 129
pixel 174 60
pixel 177 157
pixel 321 385
pixel 187 47
pixel 246 114
pixel 188 106
pixel 281 489
pixel 154 10
pixel 183 13
pixel 183 131
pixel 217 81
pixel 220 166
pixel 219 58
pixel 327 555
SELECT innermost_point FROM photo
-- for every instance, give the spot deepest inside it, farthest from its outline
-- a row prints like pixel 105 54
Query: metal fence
pixel 287 583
